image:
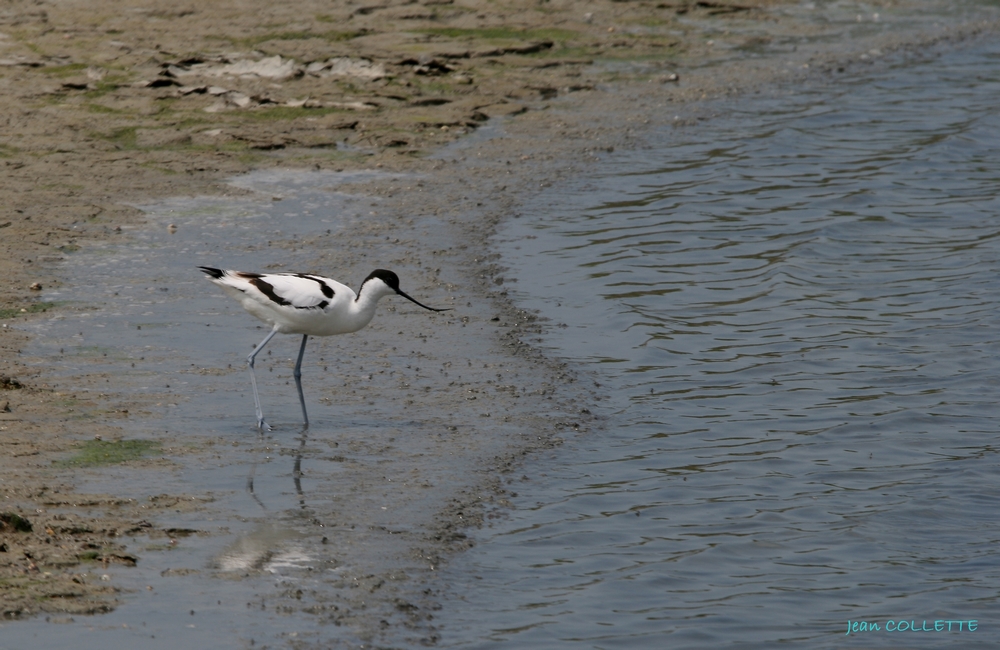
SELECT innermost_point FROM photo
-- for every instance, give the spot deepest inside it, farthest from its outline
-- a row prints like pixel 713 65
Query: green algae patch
pixel 494 34
pixel 96 453
pixel 33 308
pixel 10 521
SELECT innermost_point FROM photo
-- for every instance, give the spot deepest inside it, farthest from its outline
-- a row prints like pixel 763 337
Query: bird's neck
pixel 363 307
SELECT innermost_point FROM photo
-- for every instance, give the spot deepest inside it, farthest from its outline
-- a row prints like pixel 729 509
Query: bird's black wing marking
pixel 265 288
pixel 323 286
pixel 268 290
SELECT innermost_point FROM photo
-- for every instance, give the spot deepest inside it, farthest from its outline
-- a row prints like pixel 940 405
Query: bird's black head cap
pixel 388 277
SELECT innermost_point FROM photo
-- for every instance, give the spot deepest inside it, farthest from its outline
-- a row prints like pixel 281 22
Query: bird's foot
pixel 263 426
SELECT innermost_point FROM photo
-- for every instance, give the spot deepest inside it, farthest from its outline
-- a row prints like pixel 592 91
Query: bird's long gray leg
pixel 297 373
pixel 253 380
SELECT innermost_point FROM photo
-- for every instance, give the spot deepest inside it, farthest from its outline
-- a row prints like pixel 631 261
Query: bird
pixel 306 304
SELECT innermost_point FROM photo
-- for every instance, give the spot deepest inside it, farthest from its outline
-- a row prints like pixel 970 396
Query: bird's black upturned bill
pixel 413 300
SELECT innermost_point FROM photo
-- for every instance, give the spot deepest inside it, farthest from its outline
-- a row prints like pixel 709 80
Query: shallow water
pixel 269 511
pixel 793 308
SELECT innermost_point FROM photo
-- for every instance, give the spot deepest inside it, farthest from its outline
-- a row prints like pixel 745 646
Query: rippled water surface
pixel 793 309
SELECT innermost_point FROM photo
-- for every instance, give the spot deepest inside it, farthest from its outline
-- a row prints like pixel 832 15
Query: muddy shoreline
pixel 108 109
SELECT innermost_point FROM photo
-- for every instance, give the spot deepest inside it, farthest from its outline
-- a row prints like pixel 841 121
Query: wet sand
pixel 108 107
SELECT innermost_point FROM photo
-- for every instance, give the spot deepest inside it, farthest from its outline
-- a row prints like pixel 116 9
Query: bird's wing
pixel 297 290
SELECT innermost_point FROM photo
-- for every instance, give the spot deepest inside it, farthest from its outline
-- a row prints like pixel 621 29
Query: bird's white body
pixel 310 305
pixel 298 303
